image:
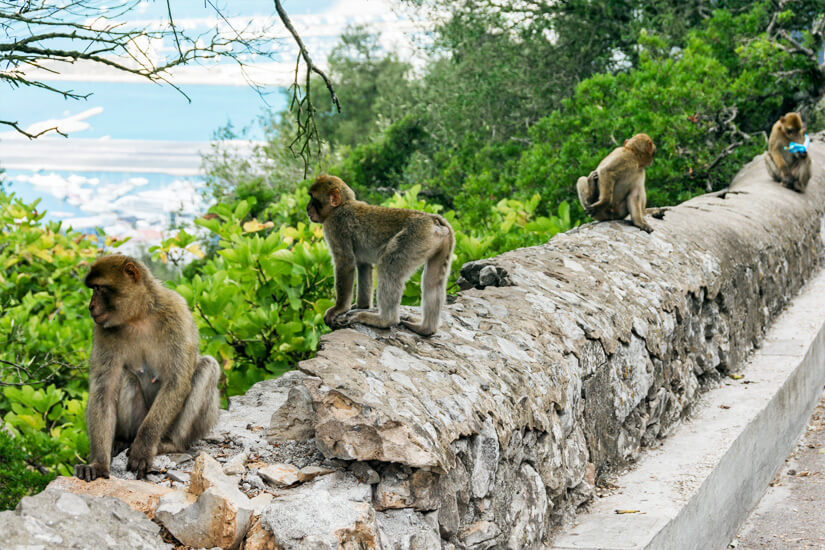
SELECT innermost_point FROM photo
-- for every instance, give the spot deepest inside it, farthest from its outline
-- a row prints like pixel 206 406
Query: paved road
pixel 791 515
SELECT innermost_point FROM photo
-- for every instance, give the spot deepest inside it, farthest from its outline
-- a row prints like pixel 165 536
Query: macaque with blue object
pixel 787 159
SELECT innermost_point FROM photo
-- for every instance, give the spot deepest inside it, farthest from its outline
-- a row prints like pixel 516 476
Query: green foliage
pixel 41 292
pixel 259 301
pixel 50 420
pixel 45 335
pixel 381 163
pixel 373 87
pixel 18 478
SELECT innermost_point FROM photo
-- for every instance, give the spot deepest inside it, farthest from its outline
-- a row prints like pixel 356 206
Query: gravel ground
pixel 791 515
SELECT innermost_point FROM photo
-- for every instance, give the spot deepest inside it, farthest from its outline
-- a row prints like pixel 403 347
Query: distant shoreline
pixel 176 158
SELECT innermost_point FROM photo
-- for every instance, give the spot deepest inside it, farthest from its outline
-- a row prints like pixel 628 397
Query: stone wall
pixel 496 430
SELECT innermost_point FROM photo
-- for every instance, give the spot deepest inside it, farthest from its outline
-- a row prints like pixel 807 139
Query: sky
pixel 131 163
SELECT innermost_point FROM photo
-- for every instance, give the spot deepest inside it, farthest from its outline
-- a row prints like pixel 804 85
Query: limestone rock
pixel 308 473
pixel 331 512
pixel 484 451
pixel 236 465
pixel 279 475
pixel 212 520
pixel 394 490
pixel 454 489
pixel 364 473
pixel 258 538
pixel 406 530
pixel 294 419
pixel 214 512
pixel 140 495
pixel 479 535
pixel 56 519
pixel 528 510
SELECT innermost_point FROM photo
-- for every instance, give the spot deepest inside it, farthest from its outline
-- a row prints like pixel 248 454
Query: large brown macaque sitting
pixel 149 390
pixel 616 187
pixel 395 241
pixel 787 158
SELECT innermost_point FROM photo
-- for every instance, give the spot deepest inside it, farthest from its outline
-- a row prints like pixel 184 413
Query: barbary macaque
pixel 149 389
pixel 394 240
pixel 616 187
pixel 787 158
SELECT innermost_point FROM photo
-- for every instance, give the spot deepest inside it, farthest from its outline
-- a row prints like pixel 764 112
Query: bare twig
pixel 28 134
pixel 305 53
pixel 27 375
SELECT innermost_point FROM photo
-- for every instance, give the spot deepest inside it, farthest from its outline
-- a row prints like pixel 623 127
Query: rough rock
pixel 236 465
pixel 393 491
pixel 479 535
pixel 406 530
pixel 279 475
pixel 258 538
pixel 140 495
pixel 294 419
pixel 364 473
pixel 308 473
pixel 330 512
pixel 213 512
pixel 596 344
pixel 484 458
pixel 56 519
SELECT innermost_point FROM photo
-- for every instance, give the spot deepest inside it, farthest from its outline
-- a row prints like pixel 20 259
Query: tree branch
pixel 30 135
pixel 305 53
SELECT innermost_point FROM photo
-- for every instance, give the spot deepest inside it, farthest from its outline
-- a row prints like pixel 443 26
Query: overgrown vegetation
pixel 510 108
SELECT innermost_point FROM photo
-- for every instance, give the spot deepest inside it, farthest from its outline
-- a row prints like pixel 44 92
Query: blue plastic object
pixel 794 147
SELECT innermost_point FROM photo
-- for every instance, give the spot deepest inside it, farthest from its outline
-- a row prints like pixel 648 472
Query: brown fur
pixel 148 387
pixel 396 241
pixel 793 170
pixel 616 187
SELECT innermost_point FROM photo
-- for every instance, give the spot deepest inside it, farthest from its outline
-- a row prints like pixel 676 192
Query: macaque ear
pixel 782 119
pixel 334 198
pixel 625 143
pixel 132 271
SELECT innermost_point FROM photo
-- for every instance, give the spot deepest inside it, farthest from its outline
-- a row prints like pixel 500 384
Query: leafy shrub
pixel 48 419
pixel 381 163
pixel 44 325
pixel 18 476
pixel 260 300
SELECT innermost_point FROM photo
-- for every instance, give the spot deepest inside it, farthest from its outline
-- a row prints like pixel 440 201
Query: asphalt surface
pixel 791 515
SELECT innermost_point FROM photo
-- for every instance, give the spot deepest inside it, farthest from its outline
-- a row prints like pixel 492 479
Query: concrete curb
pixel 695 490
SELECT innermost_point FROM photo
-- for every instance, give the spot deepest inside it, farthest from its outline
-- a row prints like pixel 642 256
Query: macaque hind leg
pixel 400 259
pixel 433 292
pixel 364 297
pixel 200 410
pixel 636 202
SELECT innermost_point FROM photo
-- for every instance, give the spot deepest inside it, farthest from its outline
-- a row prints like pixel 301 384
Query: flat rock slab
pixel 56 519
pixel 695 490
pixel 140 495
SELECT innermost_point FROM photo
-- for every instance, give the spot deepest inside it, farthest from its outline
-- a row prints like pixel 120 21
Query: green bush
pixel 20 475
pixel 260 299
pixel 48 419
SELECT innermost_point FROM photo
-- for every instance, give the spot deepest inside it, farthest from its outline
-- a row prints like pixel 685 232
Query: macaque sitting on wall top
pixel 787 159
pixel 616 187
